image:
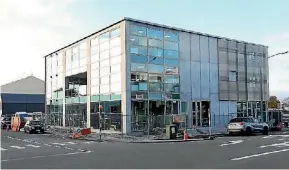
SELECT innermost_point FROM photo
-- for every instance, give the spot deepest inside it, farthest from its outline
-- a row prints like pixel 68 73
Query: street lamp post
pixel 261 78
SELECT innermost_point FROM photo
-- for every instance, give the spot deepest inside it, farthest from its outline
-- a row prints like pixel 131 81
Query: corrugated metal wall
pixel 12 103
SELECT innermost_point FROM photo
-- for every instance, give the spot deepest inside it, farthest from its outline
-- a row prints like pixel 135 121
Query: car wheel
pixel 265 131
pixel 248 131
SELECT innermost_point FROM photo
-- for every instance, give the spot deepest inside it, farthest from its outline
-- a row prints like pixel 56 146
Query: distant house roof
pixel 28 85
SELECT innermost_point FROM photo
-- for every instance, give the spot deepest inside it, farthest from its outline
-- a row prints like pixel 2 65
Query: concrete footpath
pixel 193 135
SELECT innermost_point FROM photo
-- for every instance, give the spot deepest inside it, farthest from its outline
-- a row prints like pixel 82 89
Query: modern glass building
pixel 136 69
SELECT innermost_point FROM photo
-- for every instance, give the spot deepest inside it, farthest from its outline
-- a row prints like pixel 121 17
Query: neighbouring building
pixel 136 68
pixel 24 95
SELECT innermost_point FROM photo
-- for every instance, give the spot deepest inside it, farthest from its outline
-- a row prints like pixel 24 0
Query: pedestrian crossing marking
pixel 34 146
pixel 2 149
pixel 17 147
pixel 62 144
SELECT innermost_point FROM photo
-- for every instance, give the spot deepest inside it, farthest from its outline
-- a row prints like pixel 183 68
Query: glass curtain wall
pixel 155 82
pixel 105 50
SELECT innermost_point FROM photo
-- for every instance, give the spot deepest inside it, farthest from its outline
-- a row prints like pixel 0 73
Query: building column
pixel 88 86
pixel 64 87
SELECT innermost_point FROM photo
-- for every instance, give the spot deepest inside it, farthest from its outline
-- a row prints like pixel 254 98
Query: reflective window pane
pixel 155 43
pixel 171 45
pixel 137 40
pixel 138 30
pixel 139 59
pixel 115 69
pixel 156 68
pixel 171 54
pixel 138 67
pixel 104 37
pixel 155 87
pixel 115 78
pixel 139 87
pixel 155 78
pixel 171 70
pixel 156 60
pixel 94 58
pixel 104 46
pixel 94 90
pixel 115 33
pixel 115 60
pixel 157 34
pixel 172 79
pixel 171 36
pixel 173 88
pixel 94 81
pixel 115 51
pixel 104 71
pixel 115 87
pixel 139 77
pixel 171 62
pixel 94 49
pixel 155 96
pixel 155 52
pixel 94 73
pixel 104 63
pixel 115 42
pixel 94 66
pixel 138 50
pixel 104 80
pixel 94 41
pixel 104 55
pixel 104 89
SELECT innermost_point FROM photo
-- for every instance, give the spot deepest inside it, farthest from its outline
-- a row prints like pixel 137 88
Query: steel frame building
pixel 136 68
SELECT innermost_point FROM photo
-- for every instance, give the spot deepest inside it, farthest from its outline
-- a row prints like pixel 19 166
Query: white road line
pixel 88 142
pixel 62 144
pixel 72 143
pixel 17 147
pixel 232 142
pixel 260 154
pixel 273 136
pixel 2 149
pixel 34 146
pixel 276 145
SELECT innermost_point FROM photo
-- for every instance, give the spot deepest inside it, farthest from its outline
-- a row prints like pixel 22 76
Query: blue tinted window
pixel 156 96
pixel 155 43
pixel 155 87
pixel 171 36
pixel 171 54
pixel 156 60
pixel 138 67
pixel 104 37
pixel 139 59
pixel 171 62
pixel 173 88
pixel 152 33
pixel 138 30
pixel 139 87
pixel 138 50
pixel 172 79
pixel 156 68
pixel 115 33
pixel 137 40
pixel 171 45
pixel 156 52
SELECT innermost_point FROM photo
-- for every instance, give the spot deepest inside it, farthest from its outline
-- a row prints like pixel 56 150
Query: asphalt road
pixel 29 151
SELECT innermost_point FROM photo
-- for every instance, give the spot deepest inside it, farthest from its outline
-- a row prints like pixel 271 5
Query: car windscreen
pixel 236 120
pixel 35 123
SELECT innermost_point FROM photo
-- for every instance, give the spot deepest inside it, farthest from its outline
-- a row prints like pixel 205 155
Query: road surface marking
pixel 276 145
pixel 35 157
pixel 72 143
pixel 34 146
pixel 273 136
pixel 281 139
pixel 260 154
pixel 89 142
pixel 2 149
pixel 62 144
pixel 232 142
pixel 17 147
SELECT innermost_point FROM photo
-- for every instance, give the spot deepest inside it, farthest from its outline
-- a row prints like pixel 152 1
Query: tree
pixel 273 102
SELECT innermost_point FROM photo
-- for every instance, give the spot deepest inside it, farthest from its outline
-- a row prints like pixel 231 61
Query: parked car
pixel 6 121
pixel 34 126
pixel 247 125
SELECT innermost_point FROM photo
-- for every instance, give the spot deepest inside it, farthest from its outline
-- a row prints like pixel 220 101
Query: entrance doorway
pixel 201 111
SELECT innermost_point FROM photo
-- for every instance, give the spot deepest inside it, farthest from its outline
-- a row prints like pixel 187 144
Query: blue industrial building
pixel 24 95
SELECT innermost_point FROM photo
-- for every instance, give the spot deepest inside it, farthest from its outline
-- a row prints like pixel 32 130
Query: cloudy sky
pixel 32 28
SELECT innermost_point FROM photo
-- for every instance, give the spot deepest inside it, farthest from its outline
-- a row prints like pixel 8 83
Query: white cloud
pixel 29 30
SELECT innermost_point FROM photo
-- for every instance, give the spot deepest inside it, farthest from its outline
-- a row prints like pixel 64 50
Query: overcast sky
pixel 32 28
